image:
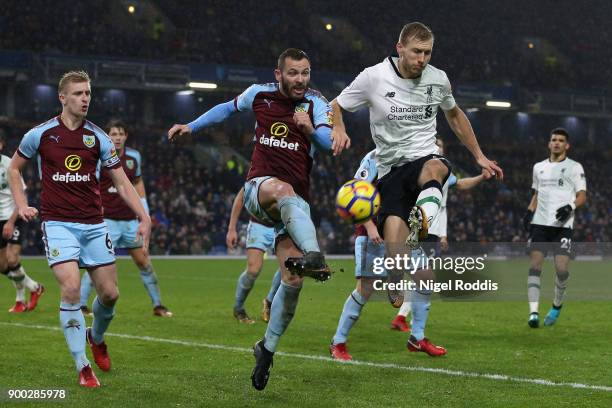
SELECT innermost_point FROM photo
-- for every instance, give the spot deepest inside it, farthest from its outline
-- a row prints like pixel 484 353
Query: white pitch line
pixel 444 371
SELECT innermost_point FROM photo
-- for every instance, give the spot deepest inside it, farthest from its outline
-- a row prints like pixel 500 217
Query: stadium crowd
pixel 190 199
pixel 543 47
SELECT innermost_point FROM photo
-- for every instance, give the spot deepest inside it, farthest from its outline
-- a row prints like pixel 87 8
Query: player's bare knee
pixel 283 190
pixel 293 280
pixel 433 170
pixel 109 296
pixel 12 260
pixel 254 268
pixel 365 287
pixel 70 293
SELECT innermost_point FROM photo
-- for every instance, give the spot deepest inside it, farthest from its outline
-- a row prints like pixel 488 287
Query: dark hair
pixel 2 136
pixel 560 131
pixel 294 54
pixel 115 123
pixel 415 30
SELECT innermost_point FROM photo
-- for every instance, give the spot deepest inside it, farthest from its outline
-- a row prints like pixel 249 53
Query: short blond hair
pixel 72 76
pixel 415 30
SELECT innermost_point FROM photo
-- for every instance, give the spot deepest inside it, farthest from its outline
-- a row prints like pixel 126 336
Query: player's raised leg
pixel 281 313
pixel 267 302
pixel 533 288
pixel 429 200
pixel 279 200
pixel 245 283
pixel 561 279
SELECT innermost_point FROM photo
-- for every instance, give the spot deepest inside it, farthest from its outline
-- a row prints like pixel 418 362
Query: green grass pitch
pixel 149 370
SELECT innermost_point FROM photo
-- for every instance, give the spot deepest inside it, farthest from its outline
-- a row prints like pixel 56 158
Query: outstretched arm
pixel 461 126
pixel 469 183
pixel 217 114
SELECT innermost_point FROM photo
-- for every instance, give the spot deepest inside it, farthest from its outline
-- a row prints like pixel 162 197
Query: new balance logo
pixel 390 95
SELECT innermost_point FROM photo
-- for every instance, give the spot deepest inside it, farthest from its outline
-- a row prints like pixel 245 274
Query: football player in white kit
pixel 559 186
pixel 403 95
pixel 437 235
pixel 11 227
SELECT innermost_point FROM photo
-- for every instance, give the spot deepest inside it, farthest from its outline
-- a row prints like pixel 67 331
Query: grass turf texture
pixel 481 337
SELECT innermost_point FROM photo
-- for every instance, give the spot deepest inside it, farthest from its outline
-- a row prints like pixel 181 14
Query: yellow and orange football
pixel 357 201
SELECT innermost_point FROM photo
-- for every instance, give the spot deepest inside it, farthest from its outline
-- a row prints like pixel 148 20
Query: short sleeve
pixel 535 182
pixel 322 112
pixel 367 169
pixel 356 95
pixel 448 100
pixel 30 143
pixel 108 154
pixel 244 101
pixel 578 178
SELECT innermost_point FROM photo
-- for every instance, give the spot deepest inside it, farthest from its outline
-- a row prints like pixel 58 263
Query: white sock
pixel 405 309
pixel 430 199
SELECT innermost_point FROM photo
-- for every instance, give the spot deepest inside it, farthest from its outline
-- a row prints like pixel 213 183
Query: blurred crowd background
pixel 533 46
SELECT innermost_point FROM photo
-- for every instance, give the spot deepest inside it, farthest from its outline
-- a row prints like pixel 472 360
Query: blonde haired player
pixel 70 147
pixel 404 95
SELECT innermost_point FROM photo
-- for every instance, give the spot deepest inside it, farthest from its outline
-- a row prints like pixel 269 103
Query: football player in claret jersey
pixel 559 186
pixel 75 235
pixel 121 220
pixel 368 246
pixel 291 119
pixel 260 238
pixel 404 94
pixel 10 242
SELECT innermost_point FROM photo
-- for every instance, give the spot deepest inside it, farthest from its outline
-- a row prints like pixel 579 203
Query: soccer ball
pixel 357 201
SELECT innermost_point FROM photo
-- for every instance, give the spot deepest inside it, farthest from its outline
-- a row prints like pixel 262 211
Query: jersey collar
pixel 396 69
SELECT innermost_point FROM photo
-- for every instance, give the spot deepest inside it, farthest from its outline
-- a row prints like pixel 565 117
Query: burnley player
pixel 121 220
pixel 10 243
pixel 290 120
pixel 260 238
pixel 75 235
pixel 559 186
pixel 404 95
pixel 368 246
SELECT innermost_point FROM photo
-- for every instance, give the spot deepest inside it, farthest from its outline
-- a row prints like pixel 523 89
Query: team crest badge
pixel 130 164
pixel 302 107
pixel 55 252
pixel 89 140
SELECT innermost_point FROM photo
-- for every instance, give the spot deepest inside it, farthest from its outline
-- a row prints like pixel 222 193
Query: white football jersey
pixel 402 111
pixel 7 204
pixel 557 184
